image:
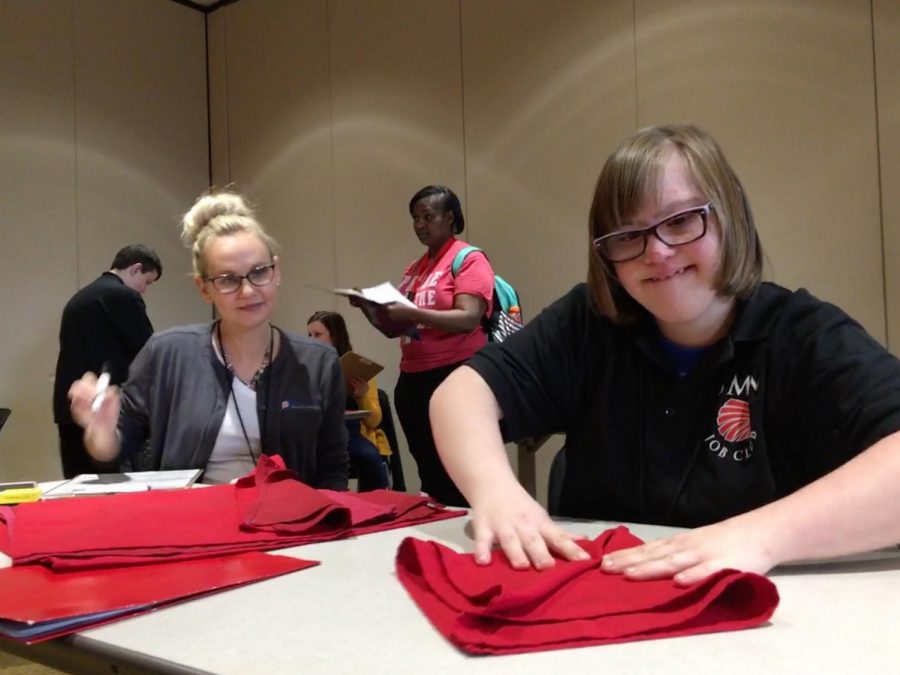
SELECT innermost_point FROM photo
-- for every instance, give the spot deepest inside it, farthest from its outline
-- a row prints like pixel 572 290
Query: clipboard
pixel 354 365
pixel 119 483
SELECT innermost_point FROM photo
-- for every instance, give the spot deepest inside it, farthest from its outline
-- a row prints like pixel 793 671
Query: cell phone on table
pixel 19 492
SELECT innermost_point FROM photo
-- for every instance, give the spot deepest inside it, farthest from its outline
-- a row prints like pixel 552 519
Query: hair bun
pixel 209 207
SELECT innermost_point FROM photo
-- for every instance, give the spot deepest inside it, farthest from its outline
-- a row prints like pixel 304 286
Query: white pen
pixel 100 391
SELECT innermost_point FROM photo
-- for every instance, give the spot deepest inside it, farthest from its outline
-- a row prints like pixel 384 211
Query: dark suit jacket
pixel 103 322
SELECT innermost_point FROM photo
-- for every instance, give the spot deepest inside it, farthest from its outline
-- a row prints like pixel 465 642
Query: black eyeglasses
pixel 261 275
pixel 683 228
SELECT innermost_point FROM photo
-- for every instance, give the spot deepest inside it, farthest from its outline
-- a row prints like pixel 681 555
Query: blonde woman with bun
pixel 217 395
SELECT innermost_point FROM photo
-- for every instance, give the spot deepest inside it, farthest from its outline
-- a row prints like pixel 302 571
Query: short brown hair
pixel 632 174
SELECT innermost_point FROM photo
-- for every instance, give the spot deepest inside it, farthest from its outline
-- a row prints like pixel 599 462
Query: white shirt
pixel 230 457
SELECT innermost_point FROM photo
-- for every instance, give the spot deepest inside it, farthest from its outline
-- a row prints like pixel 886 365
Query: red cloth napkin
pixel 266 510
pixel 495 609
pixel 272 499
pixel 368 510
pixel 75 601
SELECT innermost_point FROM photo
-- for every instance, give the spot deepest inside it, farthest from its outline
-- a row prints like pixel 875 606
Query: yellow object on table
pixel 17 493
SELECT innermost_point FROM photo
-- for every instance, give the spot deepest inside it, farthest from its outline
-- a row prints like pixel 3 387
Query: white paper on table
pixel 117 483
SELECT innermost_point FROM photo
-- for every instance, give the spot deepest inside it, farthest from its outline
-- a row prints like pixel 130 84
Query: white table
pixel 351 615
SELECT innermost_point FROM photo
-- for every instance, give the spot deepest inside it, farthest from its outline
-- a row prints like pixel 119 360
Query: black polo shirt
pixel 795 390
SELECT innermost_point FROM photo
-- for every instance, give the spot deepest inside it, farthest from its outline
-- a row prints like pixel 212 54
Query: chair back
pixel 4 415
pixel 387 426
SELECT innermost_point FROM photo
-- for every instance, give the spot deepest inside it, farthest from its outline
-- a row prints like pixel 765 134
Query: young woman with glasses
pixel 691 393
pixel 217 395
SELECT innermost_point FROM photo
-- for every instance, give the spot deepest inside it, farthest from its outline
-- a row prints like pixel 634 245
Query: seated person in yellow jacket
pixel 367 444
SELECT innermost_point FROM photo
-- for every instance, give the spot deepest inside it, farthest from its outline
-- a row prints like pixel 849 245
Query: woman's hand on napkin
pixel 689 557
pixel 516 523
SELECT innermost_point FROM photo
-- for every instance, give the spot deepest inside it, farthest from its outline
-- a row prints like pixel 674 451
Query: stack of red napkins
pixel 269 509
pixel 495 609
pixel 119 555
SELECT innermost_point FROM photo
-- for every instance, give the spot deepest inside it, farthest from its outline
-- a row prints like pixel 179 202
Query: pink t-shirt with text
pixel 434 287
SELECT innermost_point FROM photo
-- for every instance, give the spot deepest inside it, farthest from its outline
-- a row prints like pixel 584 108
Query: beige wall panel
pixel 141 129
pixel 887 66
pixel 38 265
pixel 217 75
pixel 397 124
pixel 788 90
pixel 102 143
pixel 549 90
pixel 279 133
pixel 397 127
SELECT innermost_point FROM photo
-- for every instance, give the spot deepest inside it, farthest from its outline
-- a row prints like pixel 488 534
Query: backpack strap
pixel 460 257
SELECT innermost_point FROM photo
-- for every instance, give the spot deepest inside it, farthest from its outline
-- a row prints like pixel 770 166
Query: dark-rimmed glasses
pixel 261 275
pixel 683 228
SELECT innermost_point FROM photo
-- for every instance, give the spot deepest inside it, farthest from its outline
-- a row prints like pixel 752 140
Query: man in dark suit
pixel 104 323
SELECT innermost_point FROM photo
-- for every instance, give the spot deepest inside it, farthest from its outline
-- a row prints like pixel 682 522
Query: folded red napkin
pixel 266 510
pixel 381 510
pixel 495 609
pixel 38 604
pixel 272 499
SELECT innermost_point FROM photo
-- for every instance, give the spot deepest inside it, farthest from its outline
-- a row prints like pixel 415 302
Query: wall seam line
pixel 209 168
pixel 637 115
pixel 462 102
pixel 334 225
pixel 879 182
pixel 75 145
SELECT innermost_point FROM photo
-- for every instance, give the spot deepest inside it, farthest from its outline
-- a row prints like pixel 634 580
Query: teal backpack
pixel 506 316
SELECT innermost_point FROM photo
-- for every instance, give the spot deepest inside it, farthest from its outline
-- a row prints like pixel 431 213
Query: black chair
pixel 555 482
pixel 4 415
pixel 387 426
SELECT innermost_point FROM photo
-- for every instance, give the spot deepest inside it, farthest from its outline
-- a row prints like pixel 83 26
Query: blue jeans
pixel 365 459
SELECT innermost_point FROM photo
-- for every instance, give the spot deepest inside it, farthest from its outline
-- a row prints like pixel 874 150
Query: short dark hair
pixel 138 253
pixel 448 200
pixel 337 328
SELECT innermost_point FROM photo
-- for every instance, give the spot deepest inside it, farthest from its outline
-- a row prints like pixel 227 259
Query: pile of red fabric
pixel 496 609
pixel 82 562
pixel 269 509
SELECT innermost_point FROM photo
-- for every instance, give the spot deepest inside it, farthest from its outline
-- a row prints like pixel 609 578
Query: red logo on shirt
pixel 734 420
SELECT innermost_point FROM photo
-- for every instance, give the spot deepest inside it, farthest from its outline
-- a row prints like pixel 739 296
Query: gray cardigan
pixel 177 392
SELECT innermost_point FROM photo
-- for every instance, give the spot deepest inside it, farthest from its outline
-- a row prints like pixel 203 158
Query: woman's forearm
pixel 103 445
pixel 854 508
pixel 464 420
pixel 448 320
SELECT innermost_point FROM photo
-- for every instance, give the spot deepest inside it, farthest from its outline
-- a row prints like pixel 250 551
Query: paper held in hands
pixel 371 301
pixel 382 294
pixel 355 366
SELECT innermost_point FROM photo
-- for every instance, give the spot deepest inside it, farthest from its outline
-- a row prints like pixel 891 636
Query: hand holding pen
pixel 94 405
pixel 100 391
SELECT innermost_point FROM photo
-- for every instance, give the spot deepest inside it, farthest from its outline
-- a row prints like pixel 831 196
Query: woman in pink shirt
pixel 448 315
